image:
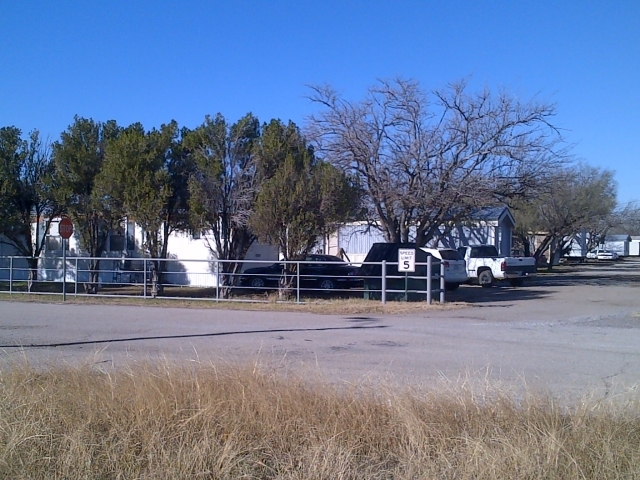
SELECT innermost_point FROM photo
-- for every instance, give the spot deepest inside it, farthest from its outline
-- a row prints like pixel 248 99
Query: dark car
pixel 317 272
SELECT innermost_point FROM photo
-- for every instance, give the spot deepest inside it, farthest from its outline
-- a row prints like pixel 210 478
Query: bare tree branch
pixel 426 161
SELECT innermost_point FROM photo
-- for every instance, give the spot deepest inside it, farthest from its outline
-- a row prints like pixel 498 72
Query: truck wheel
pixel 327 285
pixel 516 282
pixel 485 279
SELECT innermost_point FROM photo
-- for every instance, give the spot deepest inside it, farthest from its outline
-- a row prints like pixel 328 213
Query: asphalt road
pixel 570 335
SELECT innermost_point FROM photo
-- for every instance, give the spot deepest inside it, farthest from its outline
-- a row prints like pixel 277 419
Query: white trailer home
pixel 487 226
pixel 492 226
pixel 618 244
pixel 190 260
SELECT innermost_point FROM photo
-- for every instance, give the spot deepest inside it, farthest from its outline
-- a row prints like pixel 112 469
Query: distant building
pixel 618 244
pixel 486 226
pixel 492 226
pixel 576 245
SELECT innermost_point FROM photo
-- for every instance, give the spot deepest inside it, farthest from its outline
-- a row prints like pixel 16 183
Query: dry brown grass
pixel 171 422
pixel 328 306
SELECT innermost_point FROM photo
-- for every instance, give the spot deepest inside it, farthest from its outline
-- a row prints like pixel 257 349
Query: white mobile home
pixel 492 226
pixel 618 244
pixel 487 226
pixel 190 260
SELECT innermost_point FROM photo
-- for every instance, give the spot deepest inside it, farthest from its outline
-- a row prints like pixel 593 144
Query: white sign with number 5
pixel 406 260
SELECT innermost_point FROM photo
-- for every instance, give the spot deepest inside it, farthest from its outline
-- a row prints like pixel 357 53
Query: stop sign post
pixel 65 229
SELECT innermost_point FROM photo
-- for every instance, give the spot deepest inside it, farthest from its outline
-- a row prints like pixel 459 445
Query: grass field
pixel 175 422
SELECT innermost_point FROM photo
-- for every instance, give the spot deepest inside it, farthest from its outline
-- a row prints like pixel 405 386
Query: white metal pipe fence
pixel 217 280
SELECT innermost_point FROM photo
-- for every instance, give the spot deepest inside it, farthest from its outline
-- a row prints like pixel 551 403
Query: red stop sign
pixel 65 227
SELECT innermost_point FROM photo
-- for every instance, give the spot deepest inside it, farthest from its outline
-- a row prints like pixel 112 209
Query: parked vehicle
pixel 485 266
pixel 318 272
pixel 606 255
pixel 600 254
pixel 455 266
pixel 395 282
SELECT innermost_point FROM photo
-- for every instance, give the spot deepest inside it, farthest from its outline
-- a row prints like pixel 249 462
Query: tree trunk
pixel 94 277
pixel 157 271
pixel 526 246
pixel 228 277
pixel 553 247
pixel 523 239
pixel 287 283
pixel 33 273
pixel 542 247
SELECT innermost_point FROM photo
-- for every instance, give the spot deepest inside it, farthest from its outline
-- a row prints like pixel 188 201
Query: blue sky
pixel 157 61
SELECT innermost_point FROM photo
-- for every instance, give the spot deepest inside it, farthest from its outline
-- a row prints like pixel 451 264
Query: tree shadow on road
pixel 608 274
pixel 476 294
pixel 626 273
pixel 598 280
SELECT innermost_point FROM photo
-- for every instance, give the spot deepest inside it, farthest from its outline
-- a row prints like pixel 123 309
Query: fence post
pixel 217 280
pixel 442 285
pixel 383 293
pixel 298 283
pixel 75 290
pixel 10 275
pixel 144 277
pixel 429 279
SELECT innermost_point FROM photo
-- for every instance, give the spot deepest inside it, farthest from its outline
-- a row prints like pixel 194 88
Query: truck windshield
pixel 447 254
pixel 485 251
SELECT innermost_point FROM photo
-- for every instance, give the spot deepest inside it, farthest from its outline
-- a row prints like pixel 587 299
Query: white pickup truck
pixel 485 266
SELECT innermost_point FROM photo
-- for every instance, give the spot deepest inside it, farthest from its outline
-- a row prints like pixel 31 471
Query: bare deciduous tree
pixel 625 220
pixel 575 198
pixel 427 161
